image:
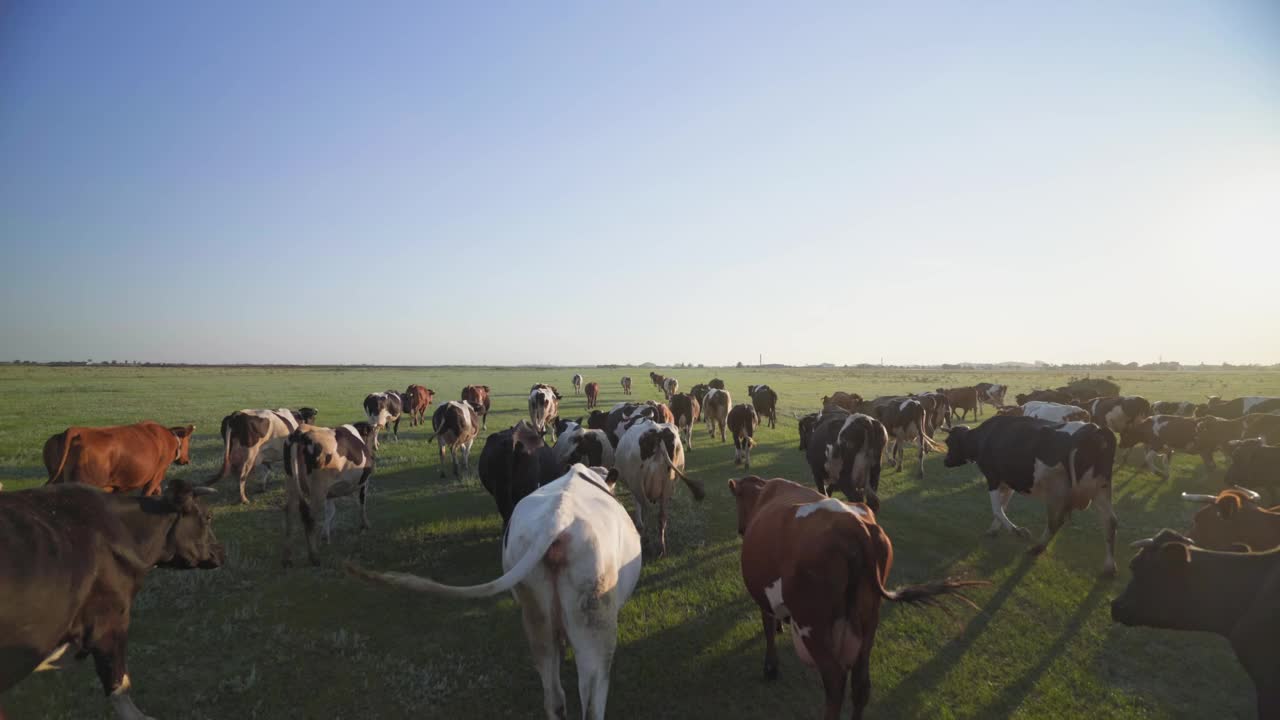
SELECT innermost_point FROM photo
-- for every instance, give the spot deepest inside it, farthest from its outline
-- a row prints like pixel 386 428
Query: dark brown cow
pixel 1162 434
pixel 1234 520
pixel 657 379
pixel 477 396
pixel 743 420
pixel 937 411
pixel 1239 407
pixel 840 400
pixel 592 391
pixel 1215 434
pixel 686 409
pixel 716 383
pixel 122 458
pixel 1053 396
pixel 961 400
pixel 417 399
pixel 821 565
pixel 626 384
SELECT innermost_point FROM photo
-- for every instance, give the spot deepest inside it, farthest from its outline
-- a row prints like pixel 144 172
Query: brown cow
pixel 686 409
pixel 626 384
pixel 117 459
pixel 417 399
pixel 657 379
pixel 477 396
pixel 821 564
pixel 1233 518
pixel 661 412
pixel 961 400
pixel 1213 434
pixel 841 400
pixel 592 391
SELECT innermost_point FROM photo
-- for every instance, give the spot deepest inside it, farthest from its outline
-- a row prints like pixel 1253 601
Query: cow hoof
pixel 244 501
pixel 1035 549
pixel 770 673
pixel 1023 533
pixel 1108 571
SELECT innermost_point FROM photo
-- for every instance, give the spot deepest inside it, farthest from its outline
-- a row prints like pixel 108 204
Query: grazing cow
pixel 821 565
pixel 743 420
pixel 1214 434
pixel 576 444
pixel 324 464
pixel 577 383
pixel 904 419
pixel 844 454
pixel 840 400
pixel 592 391
pixel 1254 465
pixel 597 419
pixel 1233 520
pixel 1173 407
pixel 990 393
pixel 649 458
pixel 74 560
pixel 456 426
pixel 1053 396
pixel 686 409
pixel 716 383
pixel 1118 412
pixel 477 396
pixel 1262 425
pixel 699 392
pixel 937 411
pixel 544 407
pixel 416 400
pixel 514 463
pixel 384 409
pixel 715 410
pixel 626 384
pixel 252 438
pixel 1239 407
pixel 1051 411
pixel 118 459
pixel 669 387
pixel 657 379
pixel 1177 586
pixel 961 401
pixel 806 424
pixel 1162 434
pixel 1067 464
pixel 765 401
pixel 572 558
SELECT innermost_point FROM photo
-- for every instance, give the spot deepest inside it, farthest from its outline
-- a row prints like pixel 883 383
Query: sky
pixel 622 182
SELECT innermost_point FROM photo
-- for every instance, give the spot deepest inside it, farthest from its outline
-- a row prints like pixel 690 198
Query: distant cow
pixel 1262 425
pixel 74 560
pixel 743 420
pixel 572 558
pixel 577 383
pixel 840 400
pixel 384 410
pixel 1162 435
pixel 699 392
pixel 649 459
pixel 715 410
pixel 118 459
pixel 417 400
pixel 904 419
pixel 1054 412
pixel 514 463
pixel 253 438
pixel 1053 396
pixel 765 401
pixel 844 454
pixel 1214 434
pixel 686 409
pixel 806 424
pixel 1118 412
pixel 592 391
pixel 1239 407
pixel 455 425
pixel 657 379
pixel 1173 407
pixel 1234 520
pixel 990 393
pixel 716 383
pixel 821 565
pixel 962 401
pixel 626 384
pixel 477 396
pixel 324 464
pixel 576 444
pixel 1177 586
pixel 1254 465
pixel 1068 464
pixel 544 407
pixel 937 411
pixel 670 386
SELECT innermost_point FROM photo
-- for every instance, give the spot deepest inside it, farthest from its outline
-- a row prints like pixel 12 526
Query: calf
pixel 593 394
pixel 576 444
pixel 904 419
pixel 514 463
pixel 455 424
pixel 626 384
pixel 252 438
pixel 1262 425
pixel 669 387
pixel 805 425
pixel 686 409
pixel 384 409
pixel 324 464
pixel 1233 520
pixel 990 393
pixel 74 560
pixel 765 401
pixel 544 407
pixel 1162 434
pixel 477 396
pixel 1177 586
pixel 1067 464
pixel 577 383
pixel 649 459
pixel 1239 407
pixel 417 400
pixel 1214 434
pixel 743 420
pixel 1254 465
pixel 1051 411
pixel 840 400
pixel 572 558
pixel 118 459
pixel 962 401
pixel 715 410
pixel 821 565
pixel 844 454
pixel 1054 396
pixel 1173 407
pixel 1118 412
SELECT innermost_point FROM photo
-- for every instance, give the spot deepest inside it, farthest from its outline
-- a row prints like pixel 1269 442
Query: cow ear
pixel 733 487
pixel 1175 552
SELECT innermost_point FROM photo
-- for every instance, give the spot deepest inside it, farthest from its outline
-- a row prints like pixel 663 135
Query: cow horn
pixel 1248 493
pixel 1198 497
pixel 1143 543
pixel 203 490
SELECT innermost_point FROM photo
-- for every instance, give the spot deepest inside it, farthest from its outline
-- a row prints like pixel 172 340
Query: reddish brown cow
pixel 117 459
pixel 1233 518
pixel 477 396
pixel 961 400
pixel 820 564
pixel 842 400
pixel 661 412
pixel 593 394
pixel 417 399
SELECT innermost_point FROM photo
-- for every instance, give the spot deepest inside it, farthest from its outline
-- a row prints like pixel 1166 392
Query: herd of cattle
pixel 75 556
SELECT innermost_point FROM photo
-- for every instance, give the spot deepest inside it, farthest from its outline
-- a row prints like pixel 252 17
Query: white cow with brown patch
pixel 649 458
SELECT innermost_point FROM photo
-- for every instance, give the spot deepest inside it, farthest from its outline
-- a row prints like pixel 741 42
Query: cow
pixel 805 424
pixel 455 424
pixel 1054 396
pixel 577 383
pixel 1178 586
pixel 686 410
pixel 1239 407
pixel 657 379
pixel 1214 434
pixel 544 407
pixel 1118 412
pixel 821 565
pixel 670 386
pixel 1162 434
pixel 699 392
pixel 1234 520
pixel 1173 407
pixel 619 417
pixel 1254 465
pixel 844 454
pixel 990 393
pixel 572 558
pixel 840 400
pixel 961 400
pixel 576 444
pixel 477 396
pixel 118 459
pixel 661 412
pixel 649 459
pixel 592 391
pixel 384 410
pixel 1069 465
pixel 626 384
pixel 253 438
pixel 1054 412
pixel 74 560
pixel 715 410
pixel 937 411
pixel 324 464
pixel 765 401
pixel 905 421
pixel 417 400
pixel 597 419
pixel 716 384
pixel 514 463
pixel 742 422
pixel 1262 425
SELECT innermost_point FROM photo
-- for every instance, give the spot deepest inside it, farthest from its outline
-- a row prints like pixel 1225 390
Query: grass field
pixel 254 641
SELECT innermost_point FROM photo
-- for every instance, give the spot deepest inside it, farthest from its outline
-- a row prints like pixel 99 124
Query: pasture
pixel 254 641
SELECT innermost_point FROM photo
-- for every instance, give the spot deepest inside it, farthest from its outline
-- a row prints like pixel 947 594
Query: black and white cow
pixel 1118 412
pixel 1162 434
pixel 383 409
pixel 324 464
pixel 765 401
pixel 699 391
pixel 806 424
pixel 1067 464
pixel 456 425
pixel 577 383
pixel 256 438
pixel 1239 407
pixel 844 454
pixel 514 463
pixel 991 394
pixel 743 420
pixel 578 444
pixel 905 420
pixel 715 410
pixel 1173 407
pixel 621 416
pixel 937 411
pixel 544 407
pixel 649 459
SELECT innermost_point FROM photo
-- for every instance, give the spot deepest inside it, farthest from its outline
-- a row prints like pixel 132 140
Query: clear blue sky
pixel 666 181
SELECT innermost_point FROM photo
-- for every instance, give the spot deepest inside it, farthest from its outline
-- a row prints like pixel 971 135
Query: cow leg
pixel 111 663
pixel 453 456
pixel 442 473
pixel 834 675
pixel 364 499
pixel 264 471
pixel 746 451
pixel 770 647
pixel 1209 464
pixel 537 602
pixel 999 503
pixel 860 675
pixel 1151 464
pixel 1059 508
pixel 662 526
pixel 317 504
pixel 1102 501
pixel 466 458
pixel 330 511
pixel 395 430
pixel 592 628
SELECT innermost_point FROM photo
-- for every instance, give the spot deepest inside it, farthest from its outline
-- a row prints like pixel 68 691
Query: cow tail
pixel 933 445
pixel 872 550
pixel 226 452
pixel 694 486
pixel 68 436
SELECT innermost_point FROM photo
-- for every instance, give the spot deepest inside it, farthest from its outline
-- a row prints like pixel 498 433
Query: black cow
pixel 937 411
pixel 765 401
pixel 596 420
pixel 514 463
pixel 1254 465
pixel 74 558
pixel 1053 396
pixel 383 409
pixel 844 454
pixel 1177 586
pixel 1068 464
pixel 686 409
pixel 716 383
pixel 905 420
pixel 699 391
pixel 1239 407
pixel 806 425
pixel 743 420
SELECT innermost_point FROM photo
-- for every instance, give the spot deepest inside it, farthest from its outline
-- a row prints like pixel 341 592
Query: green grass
pixel 253 641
